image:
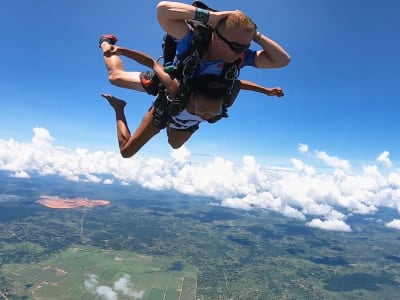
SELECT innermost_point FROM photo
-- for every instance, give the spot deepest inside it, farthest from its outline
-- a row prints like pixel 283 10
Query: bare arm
pixel 272 55
pixel 172 16
pixel 172 85
pixel 251 86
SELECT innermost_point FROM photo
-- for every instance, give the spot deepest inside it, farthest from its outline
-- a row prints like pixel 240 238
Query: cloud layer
pixel 322 199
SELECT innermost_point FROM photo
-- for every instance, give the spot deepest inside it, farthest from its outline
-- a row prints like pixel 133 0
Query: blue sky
pixel 340 86
pixel 331 141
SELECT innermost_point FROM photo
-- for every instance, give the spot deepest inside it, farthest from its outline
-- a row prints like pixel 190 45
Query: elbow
pixel 162 5
pixel 126 154
pixel 276 61
pixel 115 79
pixel 283 61
pixel 162 9
pixel 286 60
pixel 174 144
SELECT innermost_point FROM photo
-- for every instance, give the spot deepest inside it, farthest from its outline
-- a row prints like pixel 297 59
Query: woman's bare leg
pixel 129 144
pixel 176 138
pixel 116 72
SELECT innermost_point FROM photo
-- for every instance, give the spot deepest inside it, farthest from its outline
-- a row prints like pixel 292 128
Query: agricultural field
pixel 86 272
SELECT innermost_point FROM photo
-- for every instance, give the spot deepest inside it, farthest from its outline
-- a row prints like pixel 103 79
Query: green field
pixel 64 276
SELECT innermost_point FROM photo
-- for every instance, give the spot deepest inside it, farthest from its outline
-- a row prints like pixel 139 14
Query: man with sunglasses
pixel 207 101
pixel 232 34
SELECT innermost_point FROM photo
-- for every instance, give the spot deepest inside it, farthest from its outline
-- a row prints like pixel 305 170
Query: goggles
pixel 235 47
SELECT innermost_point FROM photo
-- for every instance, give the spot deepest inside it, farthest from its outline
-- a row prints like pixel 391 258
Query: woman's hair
pixel 209 86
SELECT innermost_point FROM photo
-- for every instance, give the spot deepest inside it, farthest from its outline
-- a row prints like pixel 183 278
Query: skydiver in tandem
pixel 182 101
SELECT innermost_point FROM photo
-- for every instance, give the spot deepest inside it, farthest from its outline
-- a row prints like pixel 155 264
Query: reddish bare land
pixel 57 202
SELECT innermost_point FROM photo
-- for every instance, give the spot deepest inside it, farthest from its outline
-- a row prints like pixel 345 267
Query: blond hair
pixel 238 19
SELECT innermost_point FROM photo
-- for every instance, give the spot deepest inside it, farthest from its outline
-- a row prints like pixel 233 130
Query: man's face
pixel 232 43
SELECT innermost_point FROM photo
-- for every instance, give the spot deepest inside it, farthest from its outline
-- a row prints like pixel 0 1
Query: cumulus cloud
pixel 395 224
pixel 122 285
pixel 302 167
pixel 181 154
pixel 303 148
pixel 125 286
pixel 299 192
pixel 42 137
pixel 334 224
pixel 333 161
pixel 91 282
pixel 384 159
pixel 21 174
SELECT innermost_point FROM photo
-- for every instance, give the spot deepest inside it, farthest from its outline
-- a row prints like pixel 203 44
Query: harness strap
pixel 161 115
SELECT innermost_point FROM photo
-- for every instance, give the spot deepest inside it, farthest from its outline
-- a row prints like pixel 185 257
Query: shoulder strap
pixel 202 38
pixel 230 75
pixel 169 50
pixel 202 5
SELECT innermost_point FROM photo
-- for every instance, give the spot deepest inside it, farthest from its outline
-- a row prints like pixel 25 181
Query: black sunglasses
pixel 235 47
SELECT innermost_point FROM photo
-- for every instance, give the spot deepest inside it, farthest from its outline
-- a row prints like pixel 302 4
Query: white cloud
pixel 122 285
pixel 394 224
pixel 291 212
pixel 302 167
pixel 298 192
pixel 333 224
pixel 91 282
pixel 333 161
pixel 303 148
pixel 106 293
pixel 384 159
pixel 181 154
pixel 42 137
pixel 21 174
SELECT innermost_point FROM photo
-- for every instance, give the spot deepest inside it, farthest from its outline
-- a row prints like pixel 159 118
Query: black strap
pixel 202 5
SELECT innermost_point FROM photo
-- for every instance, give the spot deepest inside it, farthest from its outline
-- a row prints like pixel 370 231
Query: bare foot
pixel 116 103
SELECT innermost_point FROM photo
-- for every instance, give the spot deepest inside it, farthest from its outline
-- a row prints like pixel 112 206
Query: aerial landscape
pixel 142 244
pixel 283 186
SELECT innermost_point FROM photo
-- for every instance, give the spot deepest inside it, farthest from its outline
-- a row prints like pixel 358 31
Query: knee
pixel 175 144
pixel 114 77
pixel 127 154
